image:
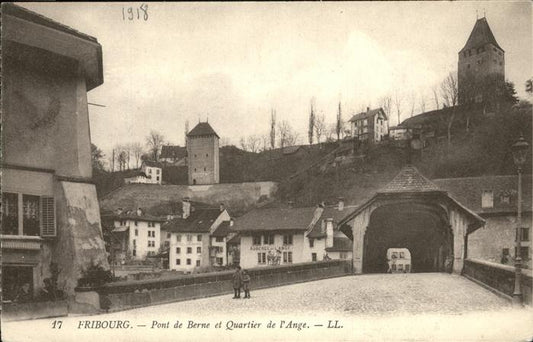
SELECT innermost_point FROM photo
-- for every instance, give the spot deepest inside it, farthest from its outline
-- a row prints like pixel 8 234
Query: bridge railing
pixel 498 277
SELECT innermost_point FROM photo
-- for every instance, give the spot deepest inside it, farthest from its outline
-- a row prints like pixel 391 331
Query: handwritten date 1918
pixel 135 13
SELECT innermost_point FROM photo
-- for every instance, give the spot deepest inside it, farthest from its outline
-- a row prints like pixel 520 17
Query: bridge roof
pixel 409 179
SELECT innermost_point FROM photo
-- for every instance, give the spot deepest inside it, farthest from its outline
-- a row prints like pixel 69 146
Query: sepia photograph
pixel 266 171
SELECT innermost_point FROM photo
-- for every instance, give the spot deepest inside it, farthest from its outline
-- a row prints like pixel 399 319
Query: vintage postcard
pixel 307 171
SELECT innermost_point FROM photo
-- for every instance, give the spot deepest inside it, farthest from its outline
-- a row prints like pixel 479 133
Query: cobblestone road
pixel 380 307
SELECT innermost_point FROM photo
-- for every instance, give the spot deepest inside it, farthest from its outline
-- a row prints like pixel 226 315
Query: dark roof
pixel 26 14
pixel 481 35
pixel 341 244
pixel 437 114
pixel 222 230
pixel 368 114
pixel 152 164
pixel 176 152
pixel 291 149
pixel 203 128
pixel 236 240
pixel 333 213
pixel 409 179
pixel 272 219
pixel 199 221
pixel 135 174
pixel 468 191
pixel 135 217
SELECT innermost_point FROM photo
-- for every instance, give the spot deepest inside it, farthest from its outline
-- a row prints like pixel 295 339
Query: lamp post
pixel 520 149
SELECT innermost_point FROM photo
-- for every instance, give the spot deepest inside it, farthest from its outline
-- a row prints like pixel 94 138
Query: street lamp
pixel 520 150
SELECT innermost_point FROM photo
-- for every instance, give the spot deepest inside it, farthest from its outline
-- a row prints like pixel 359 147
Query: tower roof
pixel 203 128
pixel 481 35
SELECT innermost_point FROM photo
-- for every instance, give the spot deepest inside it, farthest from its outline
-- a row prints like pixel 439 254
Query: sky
pixel 231 63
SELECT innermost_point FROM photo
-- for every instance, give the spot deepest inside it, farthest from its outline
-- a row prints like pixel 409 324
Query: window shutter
pixel 48 222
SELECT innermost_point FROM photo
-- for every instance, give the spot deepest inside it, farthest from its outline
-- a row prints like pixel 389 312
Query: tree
pixel 186 131
pixel 287 136
pixel 154 141
pixel 422 103
pixel 450 96
pixel 338 126
pixel 320 127
pixel 272 129
pixel 137 151
pixel 398 105
pixel 529 86
pixel 96 158
pixel 253 143
pixel 311 127
pixel 435 91
pixel 412 102
pixel 386 104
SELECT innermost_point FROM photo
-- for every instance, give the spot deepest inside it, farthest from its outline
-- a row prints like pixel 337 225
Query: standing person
pixel 237 282
pixel 246 283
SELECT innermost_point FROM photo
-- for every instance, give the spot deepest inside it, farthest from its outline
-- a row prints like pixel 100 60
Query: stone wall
pixel 499 232
pixel 236 196
pixel 498 277
pixel 127 295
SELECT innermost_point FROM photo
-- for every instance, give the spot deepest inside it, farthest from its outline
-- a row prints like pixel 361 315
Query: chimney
pixel 329 232
pixel 231 222
pixel 340 206
pixel 139 212
pixel 186 208
pixel 290 204
pixel 222 207
pixel 119 211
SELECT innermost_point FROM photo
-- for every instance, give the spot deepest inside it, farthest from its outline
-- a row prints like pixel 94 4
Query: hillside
pixel 311 174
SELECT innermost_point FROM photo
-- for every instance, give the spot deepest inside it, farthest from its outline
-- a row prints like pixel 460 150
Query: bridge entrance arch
pixel 410 212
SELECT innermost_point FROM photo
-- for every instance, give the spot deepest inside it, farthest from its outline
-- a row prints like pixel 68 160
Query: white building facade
pixel 143 235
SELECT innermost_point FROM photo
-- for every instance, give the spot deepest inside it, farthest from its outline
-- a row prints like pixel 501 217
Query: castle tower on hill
pixel 481 61
pixel 203 155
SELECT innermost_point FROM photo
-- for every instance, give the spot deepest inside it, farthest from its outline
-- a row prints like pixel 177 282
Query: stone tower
pixel 203 156
pixel 481 62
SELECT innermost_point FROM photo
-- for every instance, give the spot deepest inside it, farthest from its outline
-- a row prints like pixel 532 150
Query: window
pixel 151 243
pixel 198 249
pixel 256 239
pixel 151 224
pixel 157 178
pixel 468 66
pixel 312 243
pixel 524 252
pixel 31 221
pixel 178 261
pixel 195 156
pixel 287 239
pixel 189 250
pixel 189 237
pixel 134 252
pixel 487 199
pixel 194 169
pixel 197 263
pixel 134 243
pixel 287 257
pixel 199 238
pixel 178 238
pixel 136 223
pixel 28 215
pixel 269 239
pixel 178 250
pixel 167 244
pixel 261 258
pixel 524 234
pixel 168 235
pixel 188 261
pixel 205 169
pixel 136 232
pixel 313 256
pixel 207 155
pixel 220 261
pixel 343 255
pixel 10 215
pixel 157 171
pixel 219 239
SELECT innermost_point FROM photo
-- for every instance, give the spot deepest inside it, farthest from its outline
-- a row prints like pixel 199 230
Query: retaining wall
pixel 498 277
pixel 132 294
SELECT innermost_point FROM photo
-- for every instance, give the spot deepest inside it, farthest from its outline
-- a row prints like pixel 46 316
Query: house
pixel 203 155
pixel 137 234
pixel 153 171
pixel 371 126
pixel 495 199
pixel 398 133
pixel 50 217
pixel 176 155
pixel 218 252
pixel 191 239
pixel 273 236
